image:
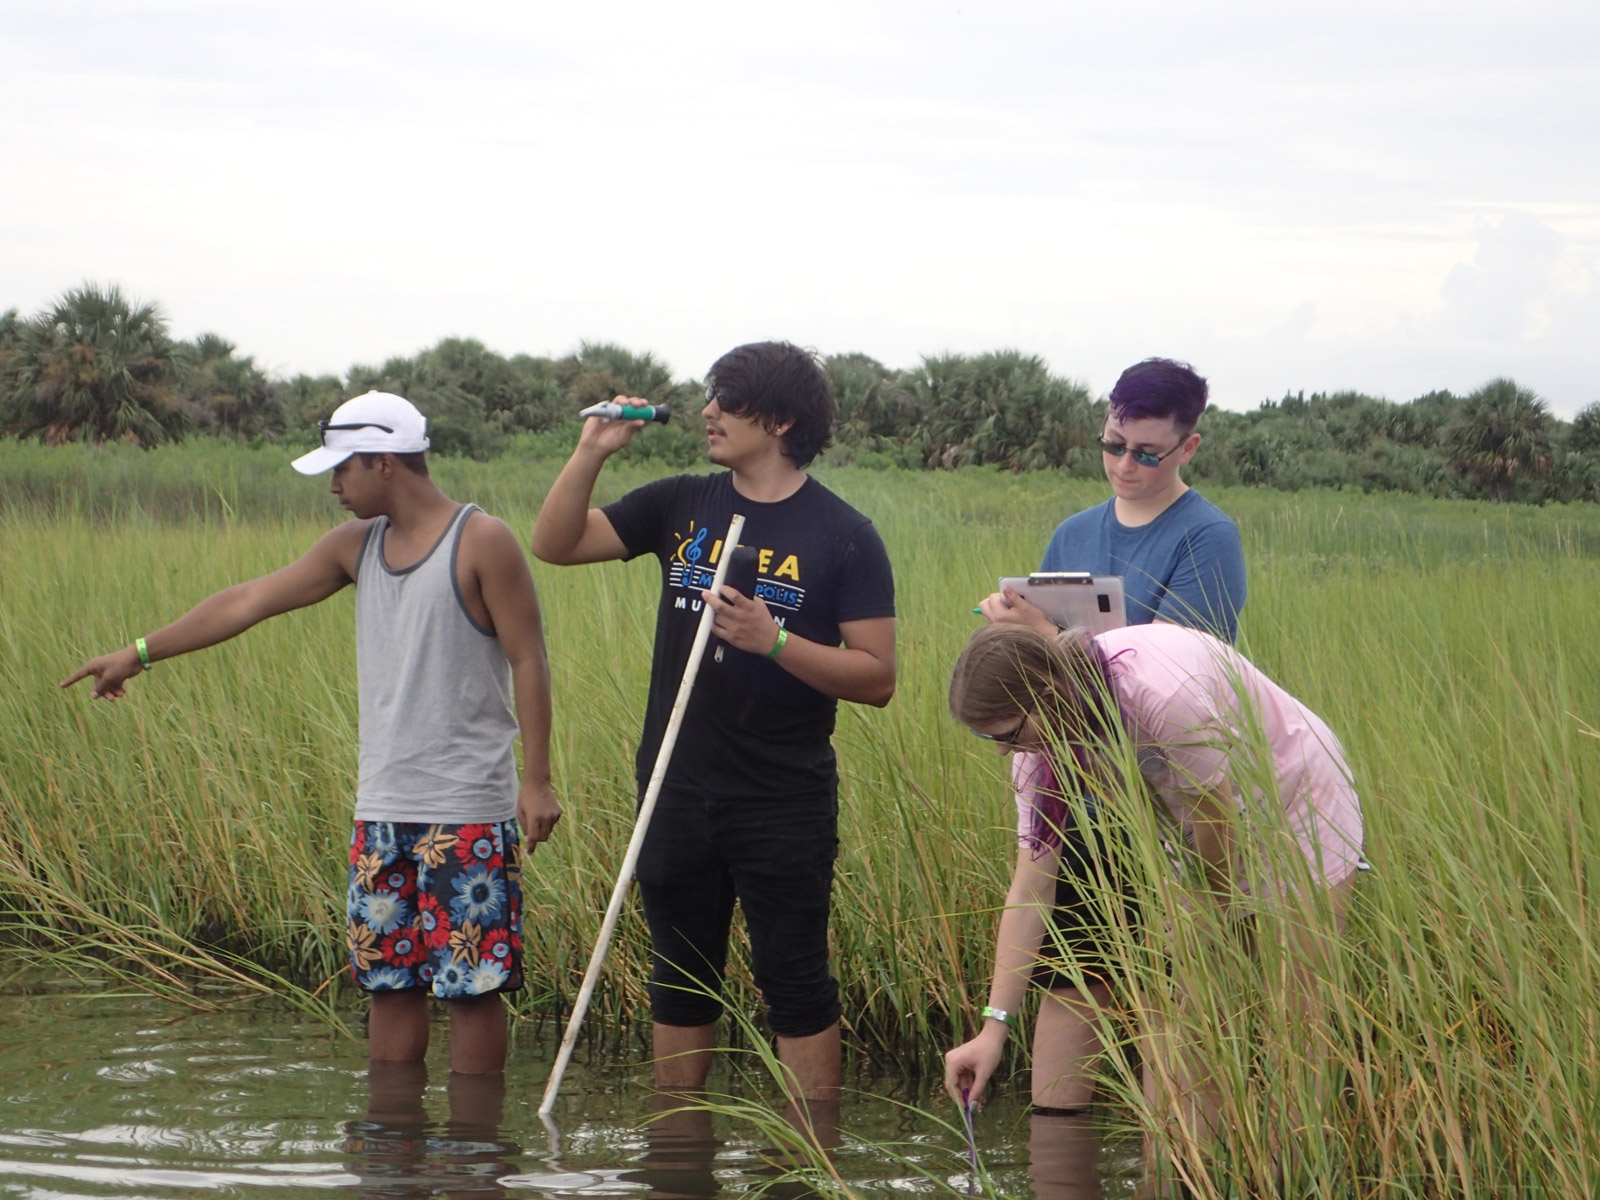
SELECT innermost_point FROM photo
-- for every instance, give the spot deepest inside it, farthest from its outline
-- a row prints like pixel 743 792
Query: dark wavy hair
pixel 777 383
pixel 1161 387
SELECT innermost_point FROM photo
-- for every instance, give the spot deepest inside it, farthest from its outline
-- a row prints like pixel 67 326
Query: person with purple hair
pixel 1182 563
pixel 1179 556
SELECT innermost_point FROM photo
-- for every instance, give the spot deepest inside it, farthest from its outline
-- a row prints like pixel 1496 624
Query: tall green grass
pixel 193 835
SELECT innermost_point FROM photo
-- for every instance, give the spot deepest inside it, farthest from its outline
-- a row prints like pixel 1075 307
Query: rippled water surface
pixel 128 1097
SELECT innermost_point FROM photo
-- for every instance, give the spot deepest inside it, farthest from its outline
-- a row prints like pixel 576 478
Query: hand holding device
pixel 613 410
pixel 1073 598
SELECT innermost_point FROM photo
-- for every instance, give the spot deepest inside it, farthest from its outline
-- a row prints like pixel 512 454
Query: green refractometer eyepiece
pixel 612 411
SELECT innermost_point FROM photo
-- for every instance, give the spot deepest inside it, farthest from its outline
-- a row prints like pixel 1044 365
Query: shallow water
pixel 128 1097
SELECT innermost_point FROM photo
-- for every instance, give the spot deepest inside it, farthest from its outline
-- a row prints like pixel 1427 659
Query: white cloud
pixel 1388 197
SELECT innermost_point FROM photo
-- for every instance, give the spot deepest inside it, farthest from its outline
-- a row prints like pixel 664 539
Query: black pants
pixel 774 857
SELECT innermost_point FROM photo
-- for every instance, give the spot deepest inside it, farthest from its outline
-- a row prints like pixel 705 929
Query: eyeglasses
pixel 325 429
pixel 1006 739
pixel 1143 457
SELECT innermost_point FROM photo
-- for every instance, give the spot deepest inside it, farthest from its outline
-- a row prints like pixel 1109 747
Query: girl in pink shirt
pixel 1215 741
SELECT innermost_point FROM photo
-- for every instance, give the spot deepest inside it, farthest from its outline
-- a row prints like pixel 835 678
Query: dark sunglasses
pixel 325 429
pixel 1006 739
pixel 1143 457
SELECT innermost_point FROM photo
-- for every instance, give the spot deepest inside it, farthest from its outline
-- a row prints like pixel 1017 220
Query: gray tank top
pixel 437 721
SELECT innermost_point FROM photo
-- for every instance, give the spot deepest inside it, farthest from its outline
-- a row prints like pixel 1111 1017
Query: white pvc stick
pixel 625 876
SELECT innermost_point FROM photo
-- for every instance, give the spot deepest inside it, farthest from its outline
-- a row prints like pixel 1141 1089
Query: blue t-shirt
pixel 1186 566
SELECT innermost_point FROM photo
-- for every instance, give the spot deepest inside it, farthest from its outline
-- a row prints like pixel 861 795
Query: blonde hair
pixel 1007 671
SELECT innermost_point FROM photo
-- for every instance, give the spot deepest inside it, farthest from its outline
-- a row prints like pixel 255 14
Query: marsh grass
pixel 192 837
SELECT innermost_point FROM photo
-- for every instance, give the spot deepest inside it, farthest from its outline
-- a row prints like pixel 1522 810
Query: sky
pixel 1385 197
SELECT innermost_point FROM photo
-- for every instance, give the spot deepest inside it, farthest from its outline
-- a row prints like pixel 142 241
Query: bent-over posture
pixel 1209 730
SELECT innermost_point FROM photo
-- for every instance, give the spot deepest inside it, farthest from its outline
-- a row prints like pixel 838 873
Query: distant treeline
pixel 98 366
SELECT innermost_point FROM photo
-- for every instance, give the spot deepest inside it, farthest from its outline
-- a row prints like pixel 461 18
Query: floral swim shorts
pixel 436 906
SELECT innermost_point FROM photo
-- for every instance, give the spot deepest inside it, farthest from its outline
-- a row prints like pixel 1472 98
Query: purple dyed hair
pixel 1039 783
pixel 1160 387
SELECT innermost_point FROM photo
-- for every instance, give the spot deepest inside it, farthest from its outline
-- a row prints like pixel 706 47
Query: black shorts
pixel 1085 918
pixel 775 858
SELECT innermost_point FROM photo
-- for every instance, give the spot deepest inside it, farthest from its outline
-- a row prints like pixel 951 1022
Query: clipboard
pixel 1074 598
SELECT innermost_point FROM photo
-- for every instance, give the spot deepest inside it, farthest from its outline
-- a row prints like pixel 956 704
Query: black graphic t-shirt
pixel 751 728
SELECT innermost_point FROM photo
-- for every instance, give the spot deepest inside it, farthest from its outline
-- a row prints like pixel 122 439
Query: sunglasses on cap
pixel 324 428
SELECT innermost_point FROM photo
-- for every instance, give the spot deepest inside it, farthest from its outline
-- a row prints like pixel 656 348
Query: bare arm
pixel 323 570
pixel 861 671
pixel 506 587
pixel 1022 924
pixel 568 531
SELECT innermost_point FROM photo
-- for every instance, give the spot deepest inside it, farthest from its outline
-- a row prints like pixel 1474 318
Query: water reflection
pixel 394 1151
pixel 127 1098
pixel 680 1148
pixel 1064 1157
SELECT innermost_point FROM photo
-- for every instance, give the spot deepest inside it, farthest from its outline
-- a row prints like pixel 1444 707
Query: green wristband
pixel 991 1013
pixel 144 652
pixel 783 636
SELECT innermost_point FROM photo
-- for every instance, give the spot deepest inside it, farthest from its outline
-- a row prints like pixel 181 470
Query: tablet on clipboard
pixel 1074 598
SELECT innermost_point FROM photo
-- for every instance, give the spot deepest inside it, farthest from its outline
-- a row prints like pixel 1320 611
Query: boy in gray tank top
pixel 445 607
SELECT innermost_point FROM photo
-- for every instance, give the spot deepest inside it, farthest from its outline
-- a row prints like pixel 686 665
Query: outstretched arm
pixel 568 531
pixel 319 573
pixel 508 594
pixel 971 1065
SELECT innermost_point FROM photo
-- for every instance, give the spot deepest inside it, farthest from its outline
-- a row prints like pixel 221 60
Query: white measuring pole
pixel 619 893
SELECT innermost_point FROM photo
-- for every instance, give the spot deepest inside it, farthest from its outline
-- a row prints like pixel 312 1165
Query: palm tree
pixel 1500 434
pixel 1585 434
pixel 98 366
pixel 506 395
pixel 601 370
pixel 1003 408
pixel 230 394
pixel 10 335
pixel 947 412
pixel 875 411
pixel 307 399
pixel 535 400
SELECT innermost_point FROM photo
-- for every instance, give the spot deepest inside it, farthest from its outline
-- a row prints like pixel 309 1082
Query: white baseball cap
pixel 376 423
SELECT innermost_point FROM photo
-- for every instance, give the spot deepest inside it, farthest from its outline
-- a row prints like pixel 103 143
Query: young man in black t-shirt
pixel 748 811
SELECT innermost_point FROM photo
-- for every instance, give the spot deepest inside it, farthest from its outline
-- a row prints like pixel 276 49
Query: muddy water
pixel 109 1097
